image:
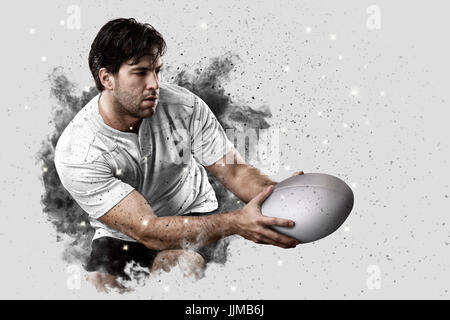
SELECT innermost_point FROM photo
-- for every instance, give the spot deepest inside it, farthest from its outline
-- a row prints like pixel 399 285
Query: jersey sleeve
pixel 92 185
pixel 208 139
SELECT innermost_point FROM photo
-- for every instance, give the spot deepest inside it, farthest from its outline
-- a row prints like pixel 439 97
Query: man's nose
pixel 153 81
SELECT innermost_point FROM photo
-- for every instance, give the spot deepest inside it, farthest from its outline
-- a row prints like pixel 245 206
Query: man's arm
pixel 239 177
pixel 96 189
pixel 134 216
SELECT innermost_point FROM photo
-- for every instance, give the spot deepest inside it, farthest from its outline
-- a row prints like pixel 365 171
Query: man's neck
pixel 114 119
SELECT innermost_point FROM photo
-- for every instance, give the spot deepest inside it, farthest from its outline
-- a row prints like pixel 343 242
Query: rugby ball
pixel 318 203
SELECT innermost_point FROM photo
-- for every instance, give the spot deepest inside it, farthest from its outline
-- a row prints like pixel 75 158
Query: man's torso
pixel 157 161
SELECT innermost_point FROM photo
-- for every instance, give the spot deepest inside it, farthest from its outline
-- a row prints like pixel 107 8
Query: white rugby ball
pixel 318 203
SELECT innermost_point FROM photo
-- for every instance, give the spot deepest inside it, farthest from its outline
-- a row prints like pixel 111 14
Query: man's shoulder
pixel 80 141
pixel 172 94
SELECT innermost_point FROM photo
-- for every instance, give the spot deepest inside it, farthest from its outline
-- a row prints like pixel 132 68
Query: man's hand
pixel 253 225
pixel 297 173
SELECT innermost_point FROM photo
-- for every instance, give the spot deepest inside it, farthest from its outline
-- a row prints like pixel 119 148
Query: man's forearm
pixel 183 232
pixel 248 182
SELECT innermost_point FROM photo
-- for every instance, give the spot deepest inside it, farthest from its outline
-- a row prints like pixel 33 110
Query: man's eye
pixel 141 73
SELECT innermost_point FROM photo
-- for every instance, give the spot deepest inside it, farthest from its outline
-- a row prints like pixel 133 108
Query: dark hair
pixel 121 40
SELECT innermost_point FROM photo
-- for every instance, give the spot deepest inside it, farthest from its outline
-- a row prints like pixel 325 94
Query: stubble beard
pixel 129 103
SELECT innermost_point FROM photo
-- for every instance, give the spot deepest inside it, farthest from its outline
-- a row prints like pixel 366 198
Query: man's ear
pixel 106 78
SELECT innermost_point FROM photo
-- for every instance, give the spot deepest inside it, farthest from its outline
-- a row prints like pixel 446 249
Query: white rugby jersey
pixel 99 165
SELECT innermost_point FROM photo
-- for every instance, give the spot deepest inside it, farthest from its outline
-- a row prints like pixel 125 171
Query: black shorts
pixel 111 255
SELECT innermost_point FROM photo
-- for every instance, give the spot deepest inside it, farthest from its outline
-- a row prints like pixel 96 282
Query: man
pixel 134 159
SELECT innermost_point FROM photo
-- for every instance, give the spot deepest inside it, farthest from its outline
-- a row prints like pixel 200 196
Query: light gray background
pixel 392 149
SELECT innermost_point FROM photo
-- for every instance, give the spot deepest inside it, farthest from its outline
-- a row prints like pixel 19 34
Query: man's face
pixel 136 84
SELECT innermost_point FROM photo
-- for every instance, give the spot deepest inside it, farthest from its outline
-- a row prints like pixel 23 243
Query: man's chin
pixel 147 113
pixel 148 109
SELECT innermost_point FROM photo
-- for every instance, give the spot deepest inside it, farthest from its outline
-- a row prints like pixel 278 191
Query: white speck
pixel 325 141
pixel 145 222
pixel 283 130
pixel 44 59
pixel 340 57
pixel 346 228
pixel 125 247
pixel 233 288
pixel 287 168
pixel 354 185
pixel 45 169
pixel 354 92
pixel 319 113
pixel 62 22
pixel 238 202
pixel 279 262
pixel 32 30
pixel 287 68
pixel 332 37
pixel 119 172
pixel 323 77
pixel 186 221
pixel 382 93
pixel 203 25
pixel 131 127
pixel 308 29
pixel 282 197
pixel 166 288
pixel 345 125
pixel 25 107
pixel 82 223
pixel 86 88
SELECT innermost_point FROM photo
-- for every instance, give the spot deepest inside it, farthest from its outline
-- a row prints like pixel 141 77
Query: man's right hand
pixel 253 225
